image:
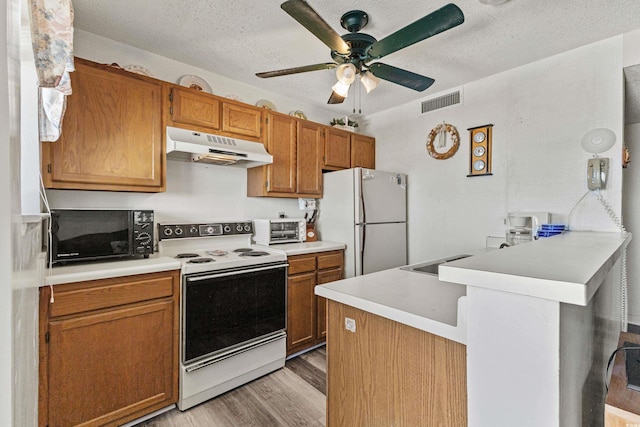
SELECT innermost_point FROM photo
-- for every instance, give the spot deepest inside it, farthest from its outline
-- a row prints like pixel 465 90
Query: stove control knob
pixel 208 230
pixel 227 229
pixel 247 228
pixel 167 231
pixel 193 230
pixel 239 228
pixel 179 231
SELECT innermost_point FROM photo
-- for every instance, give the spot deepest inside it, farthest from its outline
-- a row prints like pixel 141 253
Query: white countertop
pixel 104 270
pixel 567 268
pixel 415 299
pixel 308 247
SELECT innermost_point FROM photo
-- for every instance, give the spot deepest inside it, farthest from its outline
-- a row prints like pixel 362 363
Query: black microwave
pixel 93 235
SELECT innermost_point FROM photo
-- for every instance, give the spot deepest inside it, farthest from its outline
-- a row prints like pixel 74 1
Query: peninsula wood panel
pixel 387 373
pixel 112 133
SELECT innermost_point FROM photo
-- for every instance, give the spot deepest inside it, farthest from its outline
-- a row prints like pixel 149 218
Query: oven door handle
pixel 231 273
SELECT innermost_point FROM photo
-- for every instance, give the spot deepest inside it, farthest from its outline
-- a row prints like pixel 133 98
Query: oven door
pixel 227 309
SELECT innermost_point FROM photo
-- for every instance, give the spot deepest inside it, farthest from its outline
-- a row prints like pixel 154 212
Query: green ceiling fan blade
pixel 296 70
pixel 446 17
pixel 402 77
pixel 309 18
pixel 335 98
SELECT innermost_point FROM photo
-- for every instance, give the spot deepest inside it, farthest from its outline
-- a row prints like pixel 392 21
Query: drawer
pixel 327 276
pixel 330 260
pixel 301 264
pixel 97 294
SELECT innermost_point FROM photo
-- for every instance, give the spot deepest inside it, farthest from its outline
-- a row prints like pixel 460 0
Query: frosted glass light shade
pixel 341 89
pixel 598 140
pixel 369 81
pixel 346 73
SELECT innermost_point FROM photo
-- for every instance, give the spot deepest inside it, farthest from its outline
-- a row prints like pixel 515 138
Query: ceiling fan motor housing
pixel 354 20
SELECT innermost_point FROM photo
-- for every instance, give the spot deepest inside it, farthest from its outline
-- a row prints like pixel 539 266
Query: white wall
pixel 540 113
pixel 631 189
pixel 7 42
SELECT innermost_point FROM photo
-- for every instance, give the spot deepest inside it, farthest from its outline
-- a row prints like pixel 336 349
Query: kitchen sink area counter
pixel 104 270
pixel 567 268
pixel 418 300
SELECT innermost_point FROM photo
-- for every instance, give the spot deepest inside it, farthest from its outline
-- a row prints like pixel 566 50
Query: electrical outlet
pixel 350 324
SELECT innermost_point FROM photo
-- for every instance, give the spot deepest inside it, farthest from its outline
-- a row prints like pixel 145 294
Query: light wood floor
pixel 292 396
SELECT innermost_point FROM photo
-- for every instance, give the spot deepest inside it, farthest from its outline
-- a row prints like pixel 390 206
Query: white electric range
pixel 233 307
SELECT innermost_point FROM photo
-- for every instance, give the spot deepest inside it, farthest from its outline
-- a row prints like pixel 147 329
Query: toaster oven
pixel 281 230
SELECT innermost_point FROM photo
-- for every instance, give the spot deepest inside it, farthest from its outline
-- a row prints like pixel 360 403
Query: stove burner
pixel 243 250
pixel 217 253
pixel 187 255
pixel 200 260
pixel 254 253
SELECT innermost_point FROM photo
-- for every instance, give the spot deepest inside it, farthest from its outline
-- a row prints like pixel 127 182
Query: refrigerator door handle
pixel 363 239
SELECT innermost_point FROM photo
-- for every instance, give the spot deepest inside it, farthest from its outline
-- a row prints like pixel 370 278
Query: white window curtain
pixel 52 37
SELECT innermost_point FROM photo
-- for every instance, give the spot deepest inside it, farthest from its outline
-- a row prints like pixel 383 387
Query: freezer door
pixel 380 247
pixel 380 196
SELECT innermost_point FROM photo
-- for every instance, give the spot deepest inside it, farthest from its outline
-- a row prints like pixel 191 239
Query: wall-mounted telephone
pixel 597 173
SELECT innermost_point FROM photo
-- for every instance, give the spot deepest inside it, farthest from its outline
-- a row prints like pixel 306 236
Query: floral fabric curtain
pixel 52 38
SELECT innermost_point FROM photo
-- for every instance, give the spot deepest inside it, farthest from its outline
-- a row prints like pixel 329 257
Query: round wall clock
pixel 479 137
pixel 478 165
pixel 444 148
pixel 478 151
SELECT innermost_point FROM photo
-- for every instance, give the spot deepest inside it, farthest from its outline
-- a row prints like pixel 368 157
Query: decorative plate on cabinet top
pixel 194 82
pixel 265 103
pixel 299 114
pixel 139 69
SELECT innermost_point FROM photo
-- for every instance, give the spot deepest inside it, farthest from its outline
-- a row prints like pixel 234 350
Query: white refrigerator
pixel 365 209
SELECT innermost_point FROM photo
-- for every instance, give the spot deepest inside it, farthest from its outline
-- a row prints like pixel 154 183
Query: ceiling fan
pixel 353 52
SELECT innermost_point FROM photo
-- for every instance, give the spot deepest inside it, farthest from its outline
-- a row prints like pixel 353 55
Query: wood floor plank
pixel 289 397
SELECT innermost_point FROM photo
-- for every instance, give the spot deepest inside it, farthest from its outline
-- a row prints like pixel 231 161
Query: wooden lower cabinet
pixel 108 350
pixel 306 312
pixel 389 374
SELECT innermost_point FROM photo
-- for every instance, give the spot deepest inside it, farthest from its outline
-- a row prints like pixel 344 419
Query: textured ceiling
pixel 241 37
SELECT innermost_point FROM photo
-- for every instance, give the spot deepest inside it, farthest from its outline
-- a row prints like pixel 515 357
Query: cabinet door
pixel 309 160
pixel 337 149
pixel 363 151
pixel 109 364
pixel 321 303
pixel 190 107
pixel 301 315
pixel 112 134
pixel 281 144
pixel 242 120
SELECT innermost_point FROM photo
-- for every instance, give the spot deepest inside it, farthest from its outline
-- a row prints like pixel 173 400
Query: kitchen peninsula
pixel 538 321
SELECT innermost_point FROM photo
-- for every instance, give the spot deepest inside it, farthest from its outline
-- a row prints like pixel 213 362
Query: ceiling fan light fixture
pixel 341 89
pixel 346 73
pixel 369 81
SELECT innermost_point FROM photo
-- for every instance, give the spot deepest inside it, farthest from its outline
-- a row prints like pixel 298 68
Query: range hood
pixel 202 147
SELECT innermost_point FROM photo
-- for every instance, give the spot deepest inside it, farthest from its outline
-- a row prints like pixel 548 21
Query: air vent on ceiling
pixel 442 100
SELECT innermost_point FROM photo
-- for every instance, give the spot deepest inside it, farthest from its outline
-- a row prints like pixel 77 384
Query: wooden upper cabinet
pixel 190 107
pixel 200 111
pixel 309 159
pixel 363 151
pixel 242 119
pixel 281 144
pixel 112 134
pixel 337 149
